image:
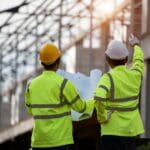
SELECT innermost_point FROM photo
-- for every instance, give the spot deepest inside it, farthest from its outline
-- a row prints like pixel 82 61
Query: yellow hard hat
pixel 49 53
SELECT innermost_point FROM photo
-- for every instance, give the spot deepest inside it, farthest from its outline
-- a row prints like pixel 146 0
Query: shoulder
pixel 34 79
pixel 106 76
pixel 105 79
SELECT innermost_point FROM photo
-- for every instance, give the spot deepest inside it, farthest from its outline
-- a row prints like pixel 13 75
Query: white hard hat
pixel 116 50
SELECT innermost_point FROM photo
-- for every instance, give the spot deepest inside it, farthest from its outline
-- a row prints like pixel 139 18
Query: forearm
pixel 138 53
pixel 27 102
pixel 138 59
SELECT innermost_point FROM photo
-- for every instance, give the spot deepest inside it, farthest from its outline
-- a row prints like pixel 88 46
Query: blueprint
pixel 85 86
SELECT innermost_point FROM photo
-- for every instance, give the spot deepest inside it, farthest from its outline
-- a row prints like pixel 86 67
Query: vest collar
pixel 119 67
pixel 49 72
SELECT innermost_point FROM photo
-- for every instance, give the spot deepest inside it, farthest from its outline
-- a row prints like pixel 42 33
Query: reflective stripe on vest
pixel 62 97
pixel 121 108
pixel 84 108
pixel 61 90
pixel 62 102
pixel 112 92
pixel 138 70
pixel 104 87
pixel 73 100
pixel 52 116
pixel 141 60
pixel 132 98
pixel 51 105
pixel 101 99
pixel 113 99
pixel 43 105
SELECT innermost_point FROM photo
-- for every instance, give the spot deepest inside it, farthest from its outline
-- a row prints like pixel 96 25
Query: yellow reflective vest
pixel 117 98
pixel 49 99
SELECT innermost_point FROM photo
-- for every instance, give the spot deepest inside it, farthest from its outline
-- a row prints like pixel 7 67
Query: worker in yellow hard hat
pixel 49 99
pixel 49 54
pixel 117 97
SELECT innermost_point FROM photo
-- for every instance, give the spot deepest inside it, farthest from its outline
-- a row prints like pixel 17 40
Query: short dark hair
pixel 116 62
pixel 51 66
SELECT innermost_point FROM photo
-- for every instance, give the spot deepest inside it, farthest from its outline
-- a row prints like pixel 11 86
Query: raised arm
pixel 138 55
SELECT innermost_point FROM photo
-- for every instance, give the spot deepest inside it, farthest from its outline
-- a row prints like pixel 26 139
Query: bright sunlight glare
pixel 107 7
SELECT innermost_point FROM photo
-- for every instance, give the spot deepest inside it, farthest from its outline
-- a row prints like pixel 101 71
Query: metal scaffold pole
pixel 16 59
pixel 0 82
pixel 36 45
pixel 60 25
pixel 91 36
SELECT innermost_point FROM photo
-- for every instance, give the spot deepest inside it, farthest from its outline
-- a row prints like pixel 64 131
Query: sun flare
pixel 107 7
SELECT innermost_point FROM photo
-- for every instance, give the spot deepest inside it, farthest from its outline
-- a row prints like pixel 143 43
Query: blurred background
pixel 82 30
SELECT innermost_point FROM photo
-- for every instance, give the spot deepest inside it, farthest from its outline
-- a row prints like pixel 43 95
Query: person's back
pixel 125 81
pixel 49 99
pixel 55 129
pixel 117 98
pixel 124 93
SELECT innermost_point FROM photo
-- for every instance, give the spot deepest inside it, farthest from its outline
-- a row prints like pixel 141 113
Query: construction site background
pixel 83 48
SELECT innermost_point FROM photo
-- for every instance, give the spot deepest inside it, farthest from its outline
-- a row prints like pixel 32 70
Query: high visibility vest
pixel 117 99
pixel 49 99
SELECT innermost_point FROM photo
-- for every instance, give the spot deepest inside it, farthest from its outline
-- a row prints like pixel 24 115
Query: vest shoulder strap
pixel 64 82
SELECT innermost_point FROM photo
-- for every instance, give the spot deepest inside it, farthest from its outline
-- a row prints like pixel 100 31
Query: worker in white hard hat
pixel 117 97
pixel 116 50
pixel 49 99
